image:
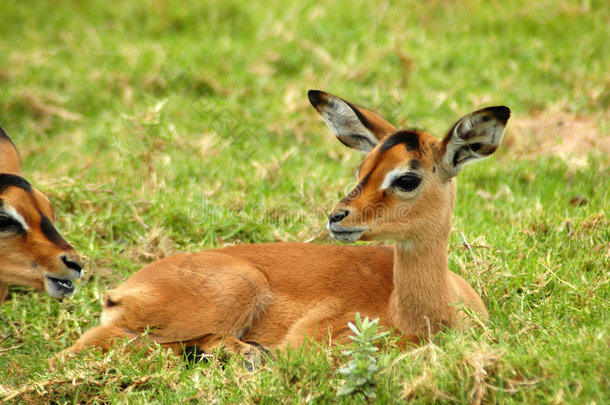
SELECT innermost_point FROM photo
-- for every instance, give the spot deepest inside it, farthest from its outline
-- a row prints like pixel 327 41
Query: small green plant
pixel 361 370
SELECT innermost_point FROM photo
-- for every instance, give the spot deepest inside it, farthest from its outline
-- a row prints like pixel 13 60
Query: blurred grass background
pixel 163 126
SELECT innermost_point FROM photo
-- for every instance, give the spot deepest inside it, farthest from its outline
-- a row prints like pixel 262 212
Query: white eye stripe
pixel 390 177
pixel 14 215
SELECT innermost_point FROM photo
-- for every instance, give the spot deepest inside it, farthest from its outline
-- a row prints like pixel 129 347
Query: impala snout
pixel 58 283
pixel 345 234
pixel 73 262
pixel 337 216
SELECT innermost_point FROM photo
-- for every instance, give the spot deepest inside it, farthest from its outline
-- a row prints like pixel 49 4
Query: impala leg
pixel 100 336
pixel 325 322
pixel 332 329
pixel 104 336
pixel 192 349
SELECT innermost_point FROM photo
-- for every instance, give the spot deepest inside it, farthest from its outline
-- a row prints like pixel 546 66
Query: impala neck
pixel 421 296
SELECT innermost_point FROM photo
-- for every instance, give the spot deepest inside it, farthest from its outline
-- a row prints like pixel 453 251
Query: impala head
pixel 405 190
pixel 32 252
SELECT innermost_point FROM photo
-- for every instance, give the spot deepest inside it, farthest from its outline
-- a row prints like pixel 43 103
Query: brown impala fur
pixel 32 252
pixel 277 294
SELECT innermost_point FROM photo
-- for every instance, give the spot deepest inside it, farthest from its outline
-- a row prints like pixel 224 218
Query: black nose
pixel 337 216
pixel 72 264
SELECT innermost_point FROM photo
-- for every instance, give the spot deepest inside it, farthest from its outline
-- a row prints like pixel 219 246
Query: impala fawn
pixel 277 294
pixel 32 252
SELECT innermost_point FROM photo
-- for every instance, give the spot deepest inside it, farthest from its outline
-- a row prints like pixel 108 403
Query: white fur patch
pixel 394 174
pixel 390 177
pixel 14 215
pixel 406 244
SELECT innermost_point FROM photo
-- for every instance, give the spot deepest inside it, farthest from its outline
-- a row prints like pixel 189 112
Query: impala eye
pixel 9 224
pixel 408 182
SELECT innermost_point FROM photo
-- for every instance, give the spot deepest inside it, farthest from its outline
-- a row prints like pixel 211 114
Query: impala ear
pixel 355 127
pixel 9 159
pixel 473 137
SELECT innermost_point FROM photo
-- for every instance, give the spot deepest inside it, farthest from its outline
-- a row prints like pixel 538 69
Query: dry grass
pixel 569 136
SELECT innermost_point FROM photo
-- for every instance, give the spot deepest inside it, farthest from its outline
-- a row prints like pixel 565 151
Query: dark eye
pixel 408 182
pixel 9 224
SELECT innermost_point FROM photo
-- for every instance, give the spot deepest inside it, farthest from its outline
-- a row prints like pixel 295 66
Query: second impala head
pixel 32 252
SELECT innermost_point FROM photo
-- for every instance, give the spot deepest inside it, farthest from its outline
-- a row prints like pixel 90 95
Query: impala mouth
pixel 58 287
pixel 345 235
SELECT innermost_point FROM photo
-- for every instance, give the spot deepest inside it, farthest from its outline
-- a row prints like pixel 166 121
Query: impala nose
pixel 72 263
pixel 337 216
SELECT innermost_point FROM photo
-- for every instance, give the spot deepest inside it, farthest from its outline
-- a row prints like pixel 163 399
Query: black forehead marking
pixel 409 138
pixel 10 180
pixel 358 189
pixel 47 228
pixel 365 179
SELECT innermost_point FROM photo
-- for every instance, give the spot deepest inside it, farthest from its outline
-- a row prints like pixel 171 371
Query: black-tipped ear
pixel 9 158
pixel 355 127
pixel 473 137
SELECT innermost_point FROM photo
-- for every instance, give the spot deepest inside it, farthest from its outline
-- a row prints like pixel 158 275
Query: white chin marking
pixel 58 289
pixel 406 244
pixel 346 237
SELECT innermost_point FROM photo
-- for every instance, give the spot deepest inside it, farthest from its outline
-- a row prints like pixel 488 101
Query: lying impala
pixel 32 252
pixel 275 295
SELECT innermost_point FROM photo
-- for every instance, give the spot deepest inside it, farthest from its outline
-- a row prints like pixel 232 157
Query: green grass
pixel 164 126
